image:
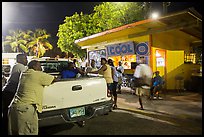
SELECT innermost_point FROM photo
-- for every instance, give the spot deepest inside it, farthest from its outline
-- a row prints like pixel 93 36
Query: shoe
pixel 115 106
pixel 141 108
pixel 160 98
pixel 154 97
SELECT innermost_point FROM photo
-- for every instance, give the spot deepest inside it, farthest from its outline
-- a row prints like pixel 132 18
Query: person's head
pixel 93 63
pixel 34 64
pixel 74 60
pixel 70 65
pixel 103 61
pixel 110 62
pixel 22 58
pixel 120 63
pixel 142 60
pixel 156 73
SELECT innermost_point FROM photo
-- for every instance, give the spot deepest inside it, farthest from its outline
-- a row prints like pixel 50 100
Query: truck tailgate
pixel 74 92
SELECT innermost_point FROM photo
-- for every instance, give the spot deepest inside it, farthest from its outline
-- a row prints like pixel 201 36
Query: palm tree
pixel 16 41
pixel 39 43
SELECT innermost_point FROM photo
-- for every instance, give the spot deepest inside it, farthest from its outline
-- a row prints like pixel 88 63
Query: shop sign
pixel 142 48
pixel 160 62
pixel 121 49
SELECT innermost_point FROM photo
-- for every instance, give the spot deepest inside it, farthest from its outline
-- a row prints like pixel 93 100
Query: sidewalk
pixel 188 104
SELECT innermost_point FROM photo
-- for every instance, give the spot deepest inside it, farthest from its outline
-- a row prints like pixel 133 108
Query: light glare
pixel 155 15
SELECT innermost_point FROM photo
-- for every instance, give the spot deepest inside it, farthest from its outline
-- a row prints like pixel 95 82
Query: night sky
pixel 48 15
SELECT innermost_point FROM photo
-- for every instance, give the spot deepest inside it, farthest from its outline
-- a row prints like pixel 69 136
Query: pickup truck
pixel 73 99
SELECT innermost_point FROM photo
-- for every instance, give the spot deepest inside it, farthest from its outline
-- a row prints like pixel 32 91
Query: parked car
pixel 72 99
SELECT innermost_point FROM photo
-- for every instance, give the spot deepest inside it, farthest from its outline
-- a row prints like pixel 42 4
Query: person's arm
pixel 80 71
pixel 46 79
pixel 103 68
pixel 118 69
pixel 56 78
pixel 122 69
pixel 112 71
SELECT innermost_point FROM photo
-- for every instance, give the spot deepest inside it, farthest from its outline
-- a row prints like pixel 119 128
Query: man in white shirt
pixel 143 75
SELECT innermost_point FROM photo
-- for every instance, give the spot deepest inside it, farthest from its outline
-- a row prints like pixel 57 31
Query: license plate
pixel 75 112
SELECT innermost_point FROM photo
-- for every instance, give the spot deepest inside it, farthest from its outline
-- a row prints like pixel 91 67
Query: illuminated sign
pixel 160 58
pixel 160 62
pixel 121 49
pixel 142 48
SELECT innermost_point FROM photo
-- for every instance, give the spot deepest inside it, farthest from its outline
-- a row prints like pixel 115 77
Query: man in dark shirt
pixel 71 71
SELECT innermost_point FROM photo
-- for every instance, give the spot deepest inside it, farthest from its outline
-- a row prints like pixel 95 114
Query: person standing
pixel 27 103
pixel 120 70
pixel 143 75
pixel 106 71
pixel 9 90
pixel 83 64
pixel 115 82
pixel 91 67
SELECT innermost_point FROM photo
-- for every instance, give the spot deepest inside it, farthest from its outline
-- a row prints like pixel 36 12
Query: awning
pixel 187 24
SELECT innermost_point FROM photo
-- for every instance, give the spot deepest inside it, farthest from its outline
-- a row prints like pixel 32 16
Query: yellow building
pixel 169 40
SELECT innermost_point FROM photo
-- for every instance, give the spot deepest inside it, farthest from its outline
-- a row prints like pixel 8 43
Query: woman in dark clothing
pixel 115 82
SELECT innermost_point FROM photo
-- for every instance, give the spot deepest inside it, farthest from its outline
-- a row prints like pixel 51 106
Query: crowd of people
pixel 22 103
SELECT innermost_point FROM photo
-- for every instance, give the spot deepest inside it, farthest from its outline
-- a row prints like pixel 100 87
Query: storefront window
pixel 126 60
pixel 190 58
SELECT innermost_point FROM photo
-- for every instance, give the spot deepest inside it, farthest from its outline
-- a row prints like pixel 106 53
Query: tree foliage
pixel 30 42
pixel 16 41
pixel 105 16
pixel 39 43
pixel 73 28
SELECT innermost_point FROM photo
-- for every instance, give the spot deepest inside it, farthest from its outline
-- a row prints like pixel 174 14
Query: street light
pixel 155 15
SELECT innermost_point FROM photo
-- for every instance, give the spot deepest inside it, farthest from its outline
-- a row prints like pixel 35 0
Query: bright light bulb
pixel 155 15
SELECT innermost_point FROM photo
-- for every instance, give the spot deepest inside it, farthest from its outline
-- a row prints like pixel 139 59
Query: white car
pixel 72 99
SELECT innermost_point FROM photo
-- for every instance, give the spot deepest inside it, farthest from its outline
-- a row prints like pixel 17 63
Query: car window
pixel 53 66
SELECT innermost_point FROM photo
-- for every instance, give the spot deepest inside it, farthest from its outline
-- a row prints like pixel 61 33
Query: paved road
pixel 175 115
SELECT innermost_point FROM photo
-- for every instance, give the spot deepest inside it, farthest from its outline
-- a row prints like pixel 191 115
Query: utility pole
pixel 165 5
